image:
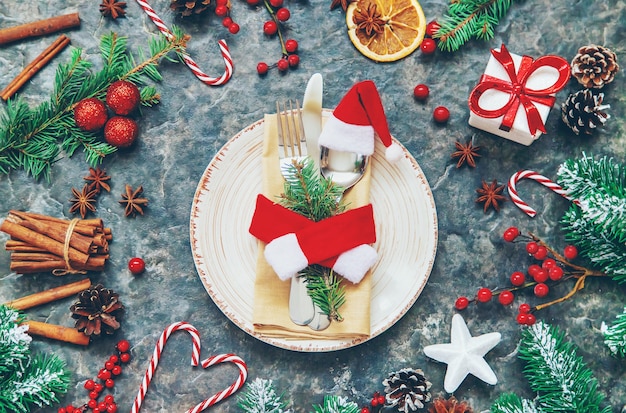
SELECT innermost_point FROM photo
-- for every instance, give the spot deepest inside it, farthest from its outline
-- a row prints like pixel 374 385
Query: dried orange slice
pixel 386 30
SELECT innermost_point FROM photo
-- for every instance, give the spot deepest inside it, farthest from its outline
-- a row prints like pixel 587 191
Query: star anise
pixel 491 195
pixel 369 20
pixel 97 180
pixel 466 154
pixel 343 3
pixel 450 405
pixel 132 202
pixel 83 201
pixel 113 8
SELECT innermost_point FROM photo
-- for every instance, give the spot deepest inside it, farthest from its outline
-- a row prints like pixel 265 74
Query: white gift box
pixel 548 74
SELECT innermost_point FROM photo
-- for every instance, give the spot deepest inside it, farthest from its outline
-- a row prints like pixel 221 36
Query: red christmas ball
pixel 120 131
pixel 90 114
pixel 123 97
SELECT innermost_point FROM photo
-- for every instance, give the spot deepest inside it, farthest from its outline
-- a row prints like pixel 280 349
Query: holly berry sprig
pixel 111 370
pixel 279 15
pixel 377 403
pixel 550 269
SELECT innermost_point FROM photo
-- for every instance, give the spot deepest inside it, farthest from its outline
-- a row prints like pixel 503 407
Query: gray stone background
pixel 180 136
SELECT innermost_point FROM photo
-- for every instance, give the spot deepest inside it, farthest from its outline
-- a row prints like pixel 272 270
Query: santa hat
pixel 355 122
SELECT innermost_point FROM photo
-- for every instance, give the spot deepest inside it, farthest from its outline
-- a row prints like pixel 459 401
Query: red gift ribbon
pixel 516 88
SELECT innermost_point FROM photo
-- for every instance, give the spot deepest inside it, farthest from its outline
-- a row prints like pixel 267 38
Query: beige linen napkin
pixel 271 295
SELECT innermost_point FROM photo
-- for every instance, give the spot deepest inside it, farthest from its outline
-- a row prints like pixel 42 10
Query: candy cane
pixel 156 356
pixel 211 81
pixel 241 379
pixel 528 174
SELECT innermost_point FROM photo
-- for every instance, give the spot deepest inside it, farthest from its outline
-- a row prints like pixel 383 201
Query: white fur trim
pixel 394 152
pixel 346 137
pixel 285 256
pixel 354 263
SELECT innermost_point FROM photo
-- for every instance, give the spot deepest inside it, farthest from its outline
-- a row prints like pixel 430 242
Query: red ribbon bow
pixel 516 88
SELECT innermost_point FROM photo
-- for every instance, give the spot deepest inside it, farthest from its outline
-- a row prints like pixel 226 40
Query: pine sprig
pixel 560 378
pixel 260 397
pixel 596 224
pixel 467 19
pixel 32 139
pixel 326 290
pixel 615 335
pixel 336 404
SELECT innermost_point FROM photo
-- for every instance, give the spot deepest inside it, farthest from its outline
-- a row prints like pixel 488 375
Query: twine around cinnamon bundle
pixel 41 243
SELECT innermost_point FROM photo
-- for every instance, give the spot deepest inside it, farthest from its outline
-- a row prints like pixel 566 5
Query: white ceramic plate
pixel 225 253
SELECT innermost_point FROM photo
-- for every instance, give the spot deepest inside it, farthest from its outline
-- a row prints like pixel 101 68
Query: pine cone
pixel 583 111
pixel 407 390
pixel 594 66
pixel 450 405
pixel 97 310
pixel 188 7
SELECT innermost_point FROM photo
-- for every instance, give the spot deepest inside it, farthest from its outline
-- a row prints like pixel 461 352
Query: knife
pixel 312 116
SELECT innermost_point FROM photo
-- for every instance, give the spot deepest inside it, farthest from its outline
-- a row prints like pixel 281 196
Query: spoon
pixel 344 169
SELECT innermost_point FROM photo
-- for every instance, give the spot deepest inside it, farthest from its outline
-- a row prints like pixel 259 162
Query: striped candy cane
pixel 211 81
pixel 528 174
pixel 195 357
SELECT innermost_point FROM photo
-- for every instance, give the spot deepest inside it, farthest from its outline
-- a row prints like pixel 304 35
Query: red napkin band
pixel 519 93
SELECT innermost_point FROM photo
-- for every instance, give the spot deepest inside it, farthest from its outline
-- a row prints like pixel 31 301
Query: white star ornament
pixel 464 355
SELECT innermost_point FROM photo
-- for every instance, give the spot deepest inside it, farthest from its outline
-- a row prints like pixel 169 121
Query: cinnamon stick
pixel 56 332
pixel 50 295
pixel 28 267
pixel 39 28
pixel 35 66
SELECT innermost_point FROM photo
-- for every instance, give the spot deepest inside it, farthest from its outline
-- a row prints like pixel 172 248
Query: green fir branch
pixel 596 223
pixel 615 335
pixel 32 139
pixel 560 378
pixel 260 397
pixel 467 19
pixel 325 289
pixel 336 404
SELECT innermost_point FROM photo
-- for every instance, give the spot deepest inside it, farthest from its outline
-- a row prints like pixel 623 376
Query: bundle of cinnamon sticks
pixel 41 243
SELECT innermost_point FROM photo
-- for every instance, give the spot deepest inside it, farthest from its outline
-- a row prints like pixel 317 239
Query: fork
pixel 292 146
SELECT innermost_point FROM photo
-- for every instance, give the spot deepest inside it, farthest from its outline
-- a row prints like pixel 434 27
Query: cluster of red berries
pixel 107 375
pixel 122 98
pixel 376 404
pixel 429 44
pixel 279 15
pixel 222 9
pixel 538 276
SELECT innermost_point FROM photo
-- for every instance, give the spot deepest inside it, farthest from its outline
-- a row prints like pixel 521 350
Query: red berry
pixel 123 97
pixel 120 131
pixel 530 319
pixel 136 265
pixel 381 400
pixel 291 45
pixel 114 358
pixel 276 3
pixel 541 290
pixel 428 46
pixel 262 68
pixel 365 409
pixel 548 263
pixel 109 399
pixel 112 408
pixel 61 410
pixel 532 270
pixel 283 14
pixel 233 28
pixel 461 303
pixel 506 297
pixel 90 114
pixel 104 374
pixel 109 365
pixel 510 234
pixel 555 273
pixel 282 65
pixel 109 383
pixel 522 318
pixel 89 384
pixel 123 346
pixel 518 278
pixel 293 60
pixel 99 387
pixel 532 247
pixel 227 21
pixel 92 403
pixel 270 27
pixel 117 370
pixel 541 275
pixel 524 308
pixel 124 357
pixel 253 2
pixel 421 92
pixel 221 10
pixel 542 253
pixel 221 2
pixel 94 394
pixel 431 28
pixel 484 295
pixel 441 114
pixel 374 402
pixel 570 252
pixel 102 406
pixel 96 410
